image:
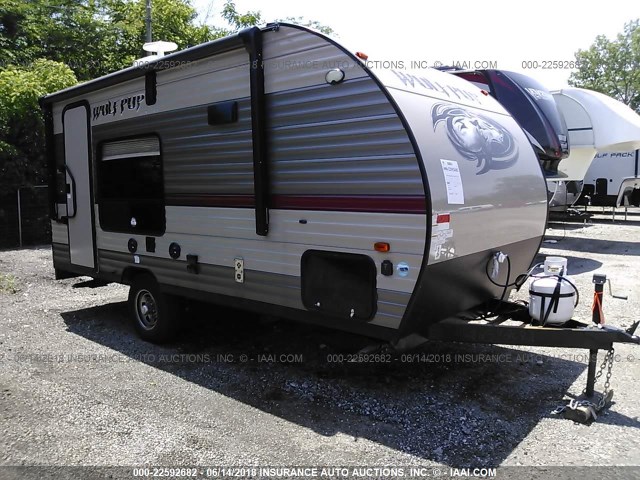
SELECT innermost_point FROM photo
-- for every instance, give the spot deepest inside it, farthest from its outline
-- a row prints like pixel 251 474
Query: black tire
pixel 155 315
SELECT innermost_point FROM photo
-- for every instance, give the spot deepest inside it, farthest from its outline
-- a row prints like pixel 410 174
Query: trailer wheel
pixel 155 314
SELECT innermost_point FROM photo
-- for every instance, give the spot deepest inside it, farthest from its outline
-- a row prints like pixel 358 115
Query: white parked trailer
pixel 612 180
pixel 274 171
pixel 596 123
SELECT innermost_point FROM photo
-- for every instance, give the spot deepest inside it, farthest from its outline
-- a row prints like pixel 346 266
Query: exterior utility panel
pixel 370 203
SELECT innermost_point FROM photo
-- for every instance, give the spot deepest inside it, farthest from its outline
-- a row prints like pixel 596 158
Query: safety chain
pixel 593 408
pixel 607 363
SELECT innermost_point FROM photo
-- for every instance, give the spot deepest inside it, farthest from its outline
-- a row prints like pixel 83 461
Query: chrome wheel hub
pixel 146 310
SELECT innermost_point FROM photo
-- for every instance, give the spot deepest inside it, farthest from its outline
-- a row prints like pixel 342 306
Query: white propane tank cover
pixel 555 266
pixel 542 291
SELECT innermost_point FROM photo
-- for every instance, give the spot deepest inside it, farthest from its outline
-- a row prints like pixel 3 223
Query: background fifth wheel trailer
pixel 612 180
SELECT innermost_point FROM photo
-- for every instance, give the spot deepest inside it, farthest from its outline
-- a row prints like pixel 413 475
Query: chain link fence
pixel 24 217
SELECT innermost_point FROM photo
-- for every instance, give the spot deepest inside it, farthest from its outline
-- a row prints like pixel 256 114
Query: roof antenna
pixel 155 50
pixel 149 38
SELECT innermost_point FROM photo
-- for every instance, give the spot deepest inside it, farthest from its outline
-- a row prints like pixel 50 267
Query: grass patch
pixel 8 283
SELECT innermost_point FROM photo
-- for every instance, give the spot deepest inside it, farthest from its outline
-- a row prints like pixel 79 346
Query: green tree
pixel 612 67
pixel 93 37
pixel 96 37
pixel 240 20
pixel 249 19
pixel 22 160
pixel 68 31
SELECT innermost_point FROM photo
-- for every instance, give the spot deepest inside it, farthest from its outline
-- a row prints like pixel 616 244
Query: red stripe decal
pixel 344 203
pixel 351 203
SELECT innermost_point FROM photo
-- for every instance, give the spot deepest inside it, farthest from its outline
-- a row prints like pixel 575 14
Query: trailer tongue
pixel 516 327
pixel 505 331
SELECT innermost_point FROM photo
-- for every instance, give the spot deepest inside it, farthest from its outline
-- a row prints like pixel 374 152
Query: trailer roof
pixel 168 61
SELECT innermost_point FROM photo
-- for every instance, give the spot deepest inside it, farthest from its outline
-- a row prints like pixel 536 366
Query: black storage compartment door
pixel 339 284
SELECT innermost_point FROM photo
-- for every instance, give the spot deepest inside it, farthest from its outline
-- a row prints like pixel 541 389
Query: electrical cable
pixel 518 282
pixel 504 290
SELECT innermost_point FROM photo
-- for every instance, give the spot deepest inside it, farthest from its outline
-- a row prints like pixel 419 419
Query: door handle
pixel 71 190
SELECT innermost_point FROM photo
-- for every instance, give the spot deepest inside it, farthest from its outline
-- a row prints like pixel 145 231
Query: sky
pixel 524 37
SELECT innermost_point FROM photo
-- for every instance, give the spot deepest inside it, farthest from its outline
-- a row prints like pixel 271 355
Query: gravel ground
pixel 77 387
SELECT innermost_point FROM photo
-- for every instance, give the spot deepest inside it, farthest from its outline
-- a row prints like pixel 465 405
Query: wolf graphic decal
pixel 476 137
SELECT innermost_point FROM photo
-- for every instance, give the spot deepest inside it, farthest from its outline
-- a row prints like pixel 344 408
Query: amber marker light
pixel 382 247
pixel 362 56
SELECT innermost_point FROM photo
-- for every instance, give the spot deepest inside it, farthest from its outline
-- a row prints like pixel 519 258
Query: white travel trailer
pixel 596 123
pixel 612 180
pixel 273 170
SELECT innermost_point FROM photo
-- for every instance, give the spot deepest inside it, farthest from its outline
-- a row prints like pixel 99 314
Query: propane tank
pixel 552 295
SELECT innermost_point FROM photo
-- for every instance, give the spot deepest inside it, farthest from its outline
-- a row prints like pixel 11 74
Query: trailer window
pixel 130 186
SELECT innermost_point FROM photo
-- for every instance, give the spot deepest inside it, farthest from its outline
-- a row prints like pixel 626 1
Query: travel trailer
pixel 273 170
pixel 596 123
pixel 612 180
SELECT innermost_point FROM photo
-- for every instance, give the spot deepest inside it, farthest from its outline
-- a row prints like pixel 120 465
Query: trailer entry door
pixel 79 199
